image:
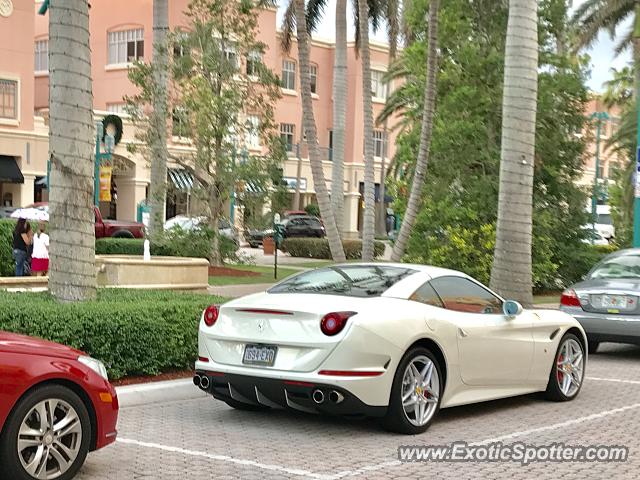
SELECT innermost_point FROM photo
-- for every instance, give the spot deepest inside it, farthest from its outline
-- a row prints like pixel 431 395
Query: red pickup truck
pixel 110 228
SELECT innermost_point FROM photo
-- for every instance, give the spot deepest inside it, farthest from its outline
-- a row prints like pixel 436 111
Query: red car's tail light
pixel 211 315
pixel 333 323
pixel 569 298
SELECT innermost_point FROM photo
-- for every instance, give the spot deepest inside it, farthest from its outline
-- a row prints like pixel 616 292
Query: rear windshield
pixel 624 266
pixel 356 281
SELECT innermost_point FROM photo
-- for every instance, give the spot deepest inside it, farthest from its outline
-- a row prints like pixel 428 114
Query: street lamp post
pixel 599 117
pixel 636 196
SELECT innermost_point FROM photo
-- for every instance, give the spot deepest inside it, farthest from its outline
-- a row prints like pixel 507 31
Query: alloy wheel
pixel 570 367
pixel 420 390
pixel 49 439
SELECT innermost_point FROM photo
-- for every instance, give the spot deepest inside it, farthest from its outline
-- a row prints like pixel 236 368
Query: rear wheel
pixel 47 435
pixel 567 374
pixel 247 407
pixel 415 394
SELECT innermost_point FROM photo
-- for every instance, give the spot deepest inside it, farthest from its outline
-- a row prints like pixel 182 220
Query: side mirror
pixel 511 308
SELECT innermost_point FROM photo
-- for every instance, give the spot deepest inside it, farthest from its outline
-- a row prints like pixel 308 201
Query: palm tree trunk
pixel 335 245
pixel 340 91
pixel 511 274
pixel 430 91
pixel 158 187
pixel 72 273
pixel 369 220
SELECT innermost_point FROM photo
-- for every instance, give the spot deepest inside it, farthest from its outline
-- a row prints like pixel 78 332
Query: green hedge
pixel 134 332
pixel 7 265
pixel 319 248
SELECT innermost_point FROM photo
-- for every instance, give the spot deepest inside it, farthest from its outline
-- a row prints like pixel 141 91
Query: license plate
pixel 264 355
pixel 614 301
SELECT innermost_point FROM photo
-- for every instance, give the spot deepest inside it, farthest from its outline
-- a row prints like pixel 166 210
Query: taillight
pixel 211 315
pixel 569 298
pixel 333 323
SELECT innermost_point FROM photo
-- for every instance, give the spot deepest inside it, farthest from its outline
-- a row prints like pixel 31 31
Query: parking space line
pixel 225 458
pixel 617 380
pixel 521 433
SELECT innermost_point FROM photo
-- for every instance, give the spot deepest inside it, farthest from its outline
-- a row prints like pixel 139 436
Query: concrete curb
pixel 155 392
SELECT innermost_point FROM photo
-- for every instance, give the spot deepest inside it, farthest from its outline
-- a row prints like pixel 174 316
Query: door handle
pixel 462 333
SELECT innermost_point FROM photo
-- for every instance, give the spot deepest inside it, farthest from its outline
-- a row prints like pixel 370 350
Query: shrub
pixel 312 209
pixel 319 248
pixel 134 332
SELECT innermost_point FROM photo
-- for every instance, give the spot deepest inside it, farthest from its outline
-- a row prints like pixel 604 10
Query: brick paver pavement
pixel 205 439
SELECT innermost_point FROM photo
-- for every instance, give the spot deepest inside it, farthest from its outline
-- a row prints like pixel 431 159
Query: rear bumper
pixel 287 394
pixel 607 327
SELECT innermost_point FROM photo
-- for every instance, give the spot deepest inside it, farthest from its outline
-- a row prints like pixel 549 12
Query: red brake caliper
pixel 560 374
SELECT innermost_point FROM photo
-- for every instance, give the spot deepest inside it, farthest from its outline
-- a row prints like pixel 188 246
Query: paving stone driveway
pixel 205 439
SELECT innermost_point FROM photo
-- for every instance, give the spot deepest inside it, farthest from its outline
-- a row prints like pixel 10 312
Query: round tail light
pixel 211 315
pixel 334 322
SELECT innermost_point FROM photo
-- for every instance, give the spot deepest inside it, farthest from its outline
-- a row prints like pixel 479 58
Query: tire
pixel 25 415
pixel 246 407
pixel 593 346
pixel 122 234
pixel 397 419
pixel 557 389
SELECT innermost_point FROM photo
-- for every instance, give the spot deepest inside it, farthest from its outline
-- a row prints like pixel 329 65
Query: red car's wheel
pixel 47 435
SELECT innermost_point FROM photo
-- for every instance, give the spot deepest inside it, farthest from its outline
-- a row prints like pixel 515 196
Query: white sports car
pixel 397 341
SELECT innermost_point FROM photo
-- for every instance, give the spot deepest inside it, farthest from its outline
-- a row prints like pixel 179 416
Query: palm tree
pixel 511 274
pixel 340 92
pixel 309 123
pixel 368 228
pixel 425 135
pixel 72 274
pixel 158 120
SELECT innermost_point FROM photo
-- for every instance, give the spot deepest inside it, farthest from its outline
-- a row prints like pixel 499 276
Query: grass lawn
pixel 546 298
pixel 266 275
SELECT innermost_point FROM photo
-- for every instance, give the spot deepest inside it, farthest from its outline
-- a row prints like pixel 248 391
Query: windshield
pixel 604 219
pixel 626 266
pixel 356 281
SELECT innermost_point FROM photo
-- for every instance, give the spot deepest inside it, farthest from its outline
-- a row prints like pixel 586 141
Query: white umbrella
pixel 37 214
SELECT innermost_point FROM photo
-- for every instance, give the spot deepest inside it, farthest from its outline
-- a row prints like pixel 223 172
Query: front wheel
pixel 567 373
pixel 47 435
pixel 415 394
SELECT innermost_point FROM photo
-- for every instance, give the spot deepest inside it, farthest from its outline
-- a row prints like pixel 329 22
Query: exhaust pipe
pixel 318 396
pixel 335 396
pixel 196 380
pixel 204 382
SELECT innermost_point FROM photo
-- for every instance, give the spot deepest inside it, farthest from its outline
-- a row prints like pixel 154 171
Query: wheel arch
pixel 75 388
pixel 581 336
pixel 437 351
pixel 122 233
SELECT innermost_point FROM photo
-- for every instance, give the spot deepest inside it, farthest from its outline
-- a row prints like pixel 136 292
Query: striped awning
pixel 182 179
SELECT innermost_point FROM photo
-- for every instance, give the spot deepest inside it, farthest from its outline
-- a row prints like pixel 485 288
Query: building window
pixel 231 54
pixel 181 45
pixel 42 56
pixel 313 74
pixel 254 60
pixel 287 135
pixel 126 46
pixel 379 143
pixel 253 131
pixel 116 108
pixel 378 86
pixel 9 99
pixel 288 74
pixel 179 123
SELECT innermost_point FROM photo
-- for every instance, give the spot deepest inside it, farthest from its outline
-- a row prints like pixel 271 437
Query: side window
pixel 463 295
pixel 426 294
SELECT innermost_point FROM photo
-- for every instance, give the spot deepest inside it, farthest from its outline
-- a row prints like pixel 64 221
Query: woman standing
pixel 40 255
pixel 22 239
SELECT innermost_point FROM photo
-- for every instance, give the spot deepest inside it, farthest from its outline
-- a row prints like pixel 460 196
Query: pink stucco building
pixel 122 30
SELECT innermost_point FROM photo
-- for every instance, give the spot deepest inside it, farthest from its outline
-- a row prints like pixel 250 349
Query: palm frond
pixel 288 27
pixel 625 42
pixel 315 12
pixel 594 16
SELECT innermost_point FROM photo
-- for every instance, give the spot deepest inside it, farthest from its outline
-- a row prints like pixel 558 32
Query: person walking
pixel 40 254
pixel 22 239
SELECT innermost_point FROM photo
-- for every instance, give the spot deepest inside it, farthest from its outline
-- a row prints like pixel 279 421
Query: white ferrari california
pixel 396 341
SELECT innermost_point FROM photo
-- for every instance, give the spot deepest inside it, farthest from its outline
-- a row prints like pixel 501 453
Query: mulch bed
pixel 231 272
pixel 173 375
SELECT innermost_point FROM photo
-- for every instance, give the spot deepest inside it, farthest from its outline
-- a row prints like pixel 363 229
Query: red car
pixel 56 405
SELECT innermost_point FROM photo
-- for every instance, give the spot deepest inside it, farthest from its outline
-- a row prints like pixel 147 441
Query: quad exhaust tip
pixel 196 380
pixel 204 382
pixel 335 396
pixel 318 396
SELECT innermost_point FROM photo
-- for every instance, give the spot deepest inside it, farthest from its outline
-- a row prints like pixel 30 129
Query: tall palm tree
pixel 72 274
pixel 511 274
pixel 368 228
pixel 309 123
pixel 425 135
pixel 340 92
pixel 158 120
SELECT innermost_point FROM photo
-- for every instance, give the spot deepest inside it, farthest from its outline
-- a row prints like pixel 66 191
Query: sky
pixel 601 52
